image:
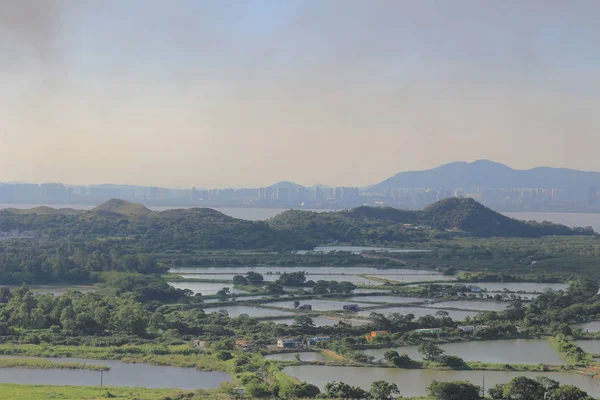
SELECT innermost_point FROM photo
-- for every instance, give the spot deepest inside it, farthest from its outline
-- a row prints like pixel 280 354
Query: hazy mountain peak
pixel 285 185
pixel 489 174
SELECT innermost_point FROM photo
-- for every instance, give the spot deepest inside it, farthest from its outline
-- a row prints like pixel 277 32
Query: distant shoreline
pixel 283 207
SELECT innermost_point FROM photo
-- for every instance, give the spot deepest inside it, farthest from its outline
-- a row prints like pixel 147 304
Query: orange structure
pixel 374 334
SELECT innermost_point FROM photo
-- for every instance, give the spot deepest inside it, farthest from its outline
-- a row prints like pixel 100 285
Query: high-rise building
pixel 319 195
pixel 592 196
pixel 263 194
pixel 338 194
pixel 302 193
pixel 284 194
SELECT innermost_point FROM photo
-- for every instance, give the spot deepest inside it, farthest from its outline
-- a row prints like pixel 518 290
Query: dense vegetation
pixel 47 245
pixel 388 224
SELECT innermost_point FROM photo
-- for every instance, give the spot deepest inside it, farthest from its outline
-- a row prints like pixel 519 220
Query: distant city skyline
pixel 251 92
pixel 493 184
pixel 283 180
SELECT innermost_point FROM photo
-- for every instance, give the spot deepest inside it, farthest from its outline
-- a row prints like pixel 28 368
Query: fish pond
pixel 473 305
pixel 254 312
pixel 513 351
pixel 415 382
pixel 418 312
pixel 120 374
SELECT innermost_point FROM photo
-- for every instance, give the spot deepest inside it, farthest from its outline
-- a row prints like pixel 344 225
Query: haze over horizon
pixel 249 93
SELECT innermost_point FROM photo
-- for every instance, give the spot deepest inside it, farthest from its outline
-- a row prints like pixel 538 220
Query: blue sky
pixel 347 92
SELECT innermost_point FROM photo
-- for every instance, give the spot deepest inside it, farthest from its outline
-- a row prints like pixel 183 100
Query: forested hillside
pixel 390 224
pixel 46 245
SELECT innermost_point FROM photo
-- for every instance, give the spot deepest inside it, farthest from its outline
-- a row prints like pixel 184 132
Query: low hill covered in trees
pixel 44 245
pixel 390 224
pixel 206 229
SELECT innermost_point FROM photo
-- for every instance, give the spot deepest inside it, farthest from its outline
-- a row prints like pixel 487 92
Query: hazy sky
pixel 247 93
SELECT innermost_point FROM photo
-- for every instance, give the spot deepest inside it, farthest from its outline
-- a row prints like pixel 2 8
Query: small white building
pixel 283 343
pixel 429 330
pixel 471 328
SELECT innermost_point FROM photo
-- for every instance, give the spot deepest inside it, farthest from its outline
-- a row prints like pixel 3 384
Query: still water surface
pixel 355 249
pixel 229 271
pixel 304 356
pixel 415 382
pixel 206 288
pixel 254 312
pixel 324 321
pixel 120 374
pixel 568 219
pixel 418 312
pixel 514 351
pixel 473 305
pixel 384 299
pixel 593 326
pixel 317 304
pixel 589 346
pixel 517 286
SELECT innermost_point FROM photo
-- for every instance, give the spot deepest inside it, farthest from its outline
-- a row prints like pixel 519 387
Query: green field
pixel 46 392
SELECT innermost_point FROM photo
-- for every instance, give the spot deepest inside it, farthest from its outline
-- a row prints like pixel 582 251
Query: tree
pixel 257 389
pixel 430 351
pixel 569 392
pixel 254 278
pixel 157 321
pixel 382 390
pixel 453 391
pixel 522 388
pixel 346 287
pixel 391 356
pixel 298 391
pixel 273 288
pixel 341 390
pixel 304 321
pixel 296 304
pixel 292 279
pixel 451 361
pixel 239 280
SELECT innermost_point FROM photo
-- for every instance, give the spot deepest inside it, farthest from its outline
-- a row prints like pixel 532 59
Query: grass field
pixel 46 392
pixel 32 363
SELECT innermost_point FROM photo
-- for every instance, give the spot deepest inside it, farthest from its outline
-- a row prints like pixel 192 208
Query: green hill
pixel 207 229
pixel 474 218
pixel 386 224
pixel 117 206
pixel 45 210
pixel 126 237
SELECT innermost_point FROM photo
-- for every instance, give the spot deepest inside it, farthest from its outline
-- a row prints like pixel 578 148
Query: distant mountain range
pixel 488 174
